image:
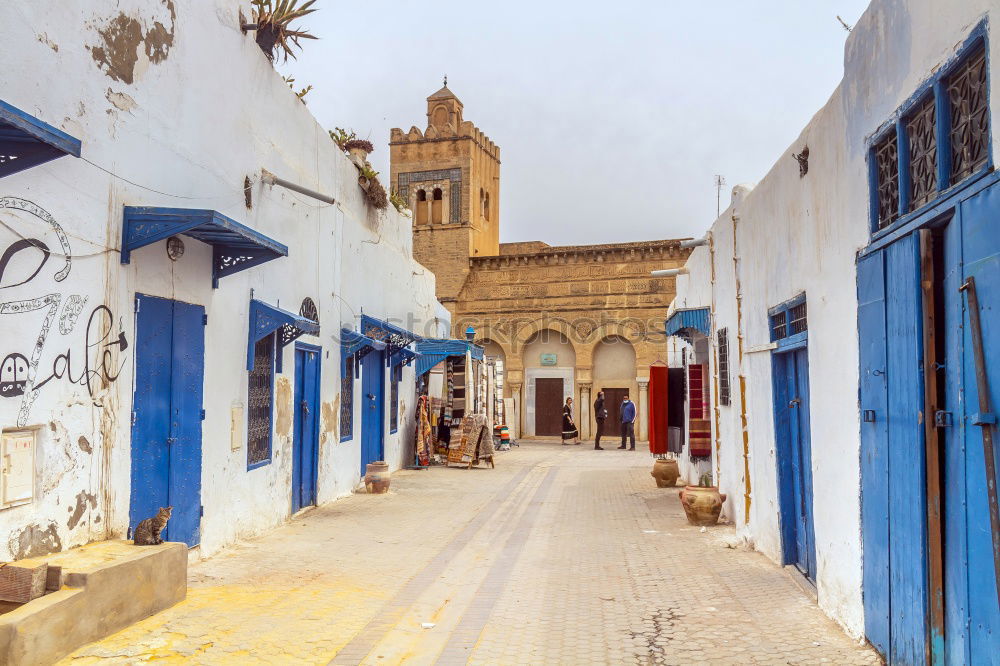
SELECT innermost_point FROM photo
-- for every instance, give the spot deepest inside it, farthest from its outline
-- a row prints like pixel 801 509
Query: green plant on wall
pixel 341 136
pixel 397 200
pixel 274 32
pixel 706 480
pixel 300 94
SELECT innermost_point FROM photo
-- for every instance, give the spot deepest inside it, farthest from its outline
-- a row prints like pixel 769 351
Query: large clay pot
pixel 702 505
pixel 377 477
pixel 665 472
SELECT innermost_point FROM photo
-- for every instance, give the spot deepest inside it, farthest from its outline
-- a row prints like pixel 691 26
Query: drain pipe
pixel 670 272
pixel 694 242
pixel 271 179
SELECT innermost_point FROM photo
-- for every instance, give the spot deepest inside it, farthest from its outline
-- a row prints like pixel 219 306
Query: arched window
pixel 436 214
pixel 421 208
pixel 309 310
pixel 482 202
pixel 486 207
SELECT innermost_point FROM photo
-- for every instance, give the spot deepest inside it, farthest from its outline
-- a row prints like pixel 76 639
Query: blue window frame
pixel 938 142
pixel 789 322
pixel 347 399
pixel 260 403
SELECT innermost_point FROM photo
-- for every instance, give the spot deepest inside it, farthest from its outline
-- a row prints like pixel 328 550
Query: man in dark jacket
pixel 601 414
pixel 628 422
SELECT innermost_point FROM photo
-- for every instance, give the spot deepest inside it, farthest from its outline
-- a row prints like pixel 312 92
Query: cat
pixel 147 533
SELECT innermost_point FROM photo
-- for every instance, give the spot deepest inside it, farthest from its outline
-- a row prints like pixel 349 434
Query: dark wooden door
pixel 613 403
pixel 548 406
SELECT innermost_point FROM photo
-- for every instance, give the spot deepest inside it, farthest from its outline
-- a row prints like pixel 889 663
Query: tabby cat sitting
pixel 147 533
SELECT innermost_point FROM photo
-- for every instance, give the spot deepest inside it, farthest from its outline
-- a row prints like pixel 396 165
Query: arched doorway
pixel 615 374
pixel 549 360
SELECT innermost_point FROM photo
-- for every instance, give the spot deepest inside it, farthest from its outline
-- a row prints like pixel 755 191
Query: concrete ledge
pixel 109 585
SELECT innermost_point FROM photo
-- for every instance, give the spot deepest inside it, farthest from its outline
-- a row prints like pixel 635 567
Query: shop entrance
pixel 548 406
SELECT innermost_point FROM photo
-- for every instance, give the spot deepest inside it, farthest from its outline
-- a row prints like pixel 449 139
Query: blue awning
pixel 433 351
pixel 352 342
pixel 682 322
pixel 266 319
pixel 402 356
pixel 26 141
pixel 235 247
pixel 379 329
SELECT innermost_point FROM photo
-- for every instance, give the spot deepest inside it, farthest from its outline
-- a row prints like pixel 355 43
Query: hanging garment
pixel 424 432
pixel 700 434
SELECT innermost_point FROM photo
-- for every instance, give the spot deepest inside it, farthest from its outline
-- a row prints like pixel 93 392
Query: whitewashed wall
pixel 797 234
pixel 188 110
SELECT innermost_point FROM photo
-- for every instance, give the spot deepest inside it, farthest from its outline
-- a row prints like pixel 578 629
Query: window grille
pixel 798 315
pixel 887 173
pixel 920 132
pixel 969 131
pixel 778 327
pixel 260 400
pixel 722 338
pixel 347 399
pixel 309 310
pixel 394 398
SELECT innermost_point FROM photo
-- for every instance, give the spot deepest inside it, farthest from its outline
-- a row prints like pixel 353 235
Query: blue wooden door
pixel 972 614
pixel 791 406
pixel 167 413
pixel 372 408
pixel 305 443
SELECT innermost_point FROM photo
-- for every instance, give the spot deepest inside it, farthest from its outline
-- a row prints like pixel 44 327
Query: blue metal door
pixel 372 407
pixel 791 396
pixel 167 413
pixel 305 443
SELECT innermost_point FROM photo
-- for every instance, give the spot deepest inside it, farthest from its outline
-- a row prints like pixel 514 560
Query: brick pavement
pixel 561 555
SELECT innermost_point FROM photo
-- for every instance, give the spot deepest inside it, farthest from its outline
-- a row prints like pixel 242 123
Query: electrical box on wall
pixel 17 481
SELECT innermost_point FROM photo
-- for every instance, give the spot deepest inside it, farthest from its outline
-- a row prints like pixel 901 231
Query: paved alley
pixel 561 555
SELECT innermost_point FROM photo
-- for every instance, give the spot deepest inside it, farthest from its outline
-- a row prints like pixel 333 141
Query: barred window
pixel 395 376
pixel 347 399
pixel 778 327
pixel 887 179
pixel 970 130
pixel 788 319
pixel 722 338
pixel 921 134
pixel 798 315
pixel 260 402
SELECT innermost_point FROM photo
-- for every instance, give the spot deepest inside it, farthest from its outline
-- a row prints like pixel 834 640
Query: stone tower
pixel 450 175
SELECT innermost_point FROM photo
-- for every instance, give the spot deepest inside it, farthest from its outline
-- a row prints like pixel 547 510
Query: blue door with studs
pixel 372 408
pixel 305 441
pixel 167 415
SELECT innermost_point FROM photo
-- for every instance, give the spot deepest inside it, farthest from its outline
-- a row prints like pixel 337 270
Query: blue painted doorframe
pixel 167 413
pixel 305 441
pixel 893 454
pixel 372 408
pixel 790 377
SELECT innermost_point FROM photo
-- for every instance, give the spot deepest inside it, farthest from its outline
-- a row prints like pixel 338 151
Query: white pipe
pixel 696 242
pixel 271 179
pixel 670 272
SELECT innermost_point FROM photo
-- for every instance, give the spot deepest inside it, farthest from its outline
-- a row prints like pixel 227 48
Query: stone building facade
pixel 587 316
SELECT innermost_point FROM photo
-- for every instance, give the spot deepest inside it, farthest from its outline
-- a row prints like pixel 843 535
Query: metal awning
pixel 402 356
pixel 26 141
pixel 432 351
pixel 235 247
pixel 682 322
pixel 352 342
pixel 266 319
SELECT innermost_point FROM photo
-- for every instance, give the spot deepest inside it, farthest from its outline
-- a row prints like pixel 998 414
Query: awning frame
pixel 434 350
pixel 235 247
pixel 266 319
pixel 394 337
pixel 26 141
pixel 682 322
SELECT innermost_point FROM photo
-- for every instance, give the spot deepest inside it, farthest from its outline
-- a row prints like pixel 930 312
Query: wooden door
pixel 613 402
pixel 548 406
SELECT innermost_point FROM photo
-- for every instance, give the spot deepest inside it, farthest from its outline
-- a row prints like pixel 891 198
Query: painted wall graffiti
pixel 97 362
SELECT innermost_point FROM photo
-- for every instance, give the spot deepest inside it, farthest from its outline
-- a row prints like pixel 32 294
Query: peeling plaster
pixel 44 39
pixel 33 541
pixel 84 445
pixel 81 508
pixel 329 415
pixel 126 50
pixel 283 404
pixel 120 100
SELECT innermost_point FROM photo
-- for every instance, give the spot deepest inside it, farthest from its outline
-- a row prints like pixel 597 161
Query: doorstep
pixel 108 585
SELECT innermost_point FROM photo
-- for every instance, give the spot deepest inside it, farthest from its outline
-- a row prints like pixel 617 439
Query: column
pixel 642 434
pixel 518 416
pixel 585 415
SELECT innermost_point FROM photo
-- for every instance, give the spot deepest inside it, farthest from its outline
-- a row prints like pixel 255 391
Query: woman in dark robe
pixel 569 430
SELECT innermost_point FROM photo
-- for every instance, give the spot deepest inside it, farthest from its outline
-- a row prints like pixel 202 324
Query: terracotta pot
pixel 359 153
pixel 702 505
pixel 665 472
pixel 377 477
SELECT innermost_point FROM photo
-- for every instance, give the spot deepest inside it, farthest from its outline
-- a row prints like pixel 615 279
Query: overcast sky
pixel 612 117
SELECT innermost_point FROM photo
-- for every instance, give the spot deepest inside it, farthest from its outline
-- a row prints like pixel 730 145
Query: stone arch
pixel 529 329
pixel 614 359
pixel 420 206
pixel 436 203
pixel 548 341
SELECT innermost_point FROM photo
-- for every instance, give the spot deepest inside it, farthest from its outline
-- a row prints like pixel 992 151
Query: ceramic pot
pixel 665 472
pixel 359 154
pixel 702 505
pixel 377 477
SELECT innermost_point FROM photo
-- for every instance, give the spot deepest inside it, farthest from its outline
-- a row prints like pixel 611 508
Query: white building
pixel 890 188
pixel 126 382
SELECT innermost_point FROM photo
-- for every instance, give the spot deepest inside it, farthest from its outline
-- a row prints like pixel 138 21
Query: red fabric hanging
pixel 658 409
pixel 700 427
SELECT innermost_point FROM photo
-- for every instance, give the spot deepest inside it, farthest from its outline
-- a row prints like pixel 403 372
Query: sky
pixel 612 117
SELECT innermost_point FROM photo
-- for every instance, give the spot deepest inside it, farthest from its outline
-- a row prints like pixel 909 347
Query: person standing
pixel 628 422
pixel 601 414
pixel 569 430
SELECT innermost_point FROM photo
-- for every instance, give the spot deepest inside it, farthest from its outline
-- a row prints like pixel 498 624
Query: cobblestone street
pixel 561 555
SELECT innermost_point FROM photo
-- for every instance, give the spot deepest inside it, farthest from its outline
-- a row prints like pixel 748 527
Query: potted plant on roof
pixel 359 148
pixel 272 19
pixel 340 136
pixel 702 503
pixel 397 200
pixel 375 193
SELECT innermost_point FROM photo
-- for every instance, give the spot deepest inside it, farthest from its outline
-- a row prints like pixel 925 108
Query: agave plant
pixel 341 137
pixel 397 200
pixel 274 32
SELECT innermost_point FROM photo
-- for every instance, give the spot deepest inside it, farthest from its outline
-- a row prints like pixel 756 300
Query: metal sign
pixel 548 359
